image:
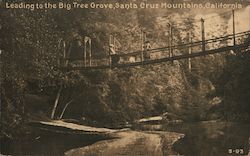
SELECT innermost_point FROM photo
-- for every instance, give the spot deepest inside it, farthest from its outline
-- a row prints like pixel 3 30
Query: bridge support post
pixel 142 46
pixel 87 40
pixel 190 52
pixel 90 53
pixel 170 41
pixel 59 58
pixel 234 40
pixel 203 34
pixel 110 58
pixel 85 55
pixel 112 51
pixel 65 61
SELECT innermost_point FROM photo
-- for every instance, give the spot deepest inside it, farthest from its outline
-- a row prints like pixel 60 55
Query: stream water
pixel 209 138
pixel 47 144
pixel 201 139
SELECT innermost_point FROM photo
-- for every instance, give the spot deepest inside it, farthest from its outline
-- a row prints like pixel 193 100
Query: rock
pixel 150 119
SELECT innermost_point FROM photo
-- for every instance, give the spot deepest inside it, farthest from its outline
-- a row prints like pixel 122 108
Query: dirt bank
pixel 132 143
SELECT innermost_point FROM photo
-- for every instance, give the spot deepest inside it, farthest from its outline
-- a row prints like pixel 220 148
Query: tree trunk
pixel 65 107
pixel 67 104
pixel 56 102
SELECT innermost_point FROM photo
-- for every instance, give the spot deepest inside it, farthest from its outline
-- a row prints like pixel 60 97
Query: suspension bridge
pixel 165 54
pixel 235 42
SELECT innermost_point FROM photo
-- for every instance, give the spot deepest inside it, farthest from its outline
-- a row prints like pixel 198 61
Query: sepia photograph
pixel 125 77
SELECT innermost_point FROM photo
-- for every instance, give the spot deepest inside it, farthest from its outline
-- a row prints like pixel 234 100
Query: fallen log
pixel 66 127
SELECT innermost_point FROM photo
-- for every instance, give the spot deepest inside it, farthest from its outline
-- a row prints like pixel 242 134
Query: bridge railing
pixel 196 45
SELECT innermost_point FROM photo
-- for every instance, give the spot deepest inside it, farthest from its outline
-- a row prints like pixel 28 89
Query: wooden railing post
pixel 110 57
pixel 64 54
pixel 234 40
pixel 170 40
pixel 85 54
pixel 190 52
pixel 90 52
pixel 59 47
pixel 142 46
pixel 203 35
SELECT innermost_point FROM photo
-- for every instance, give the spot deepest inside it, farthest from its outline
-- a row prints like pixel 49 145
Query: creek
pixel 201 139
